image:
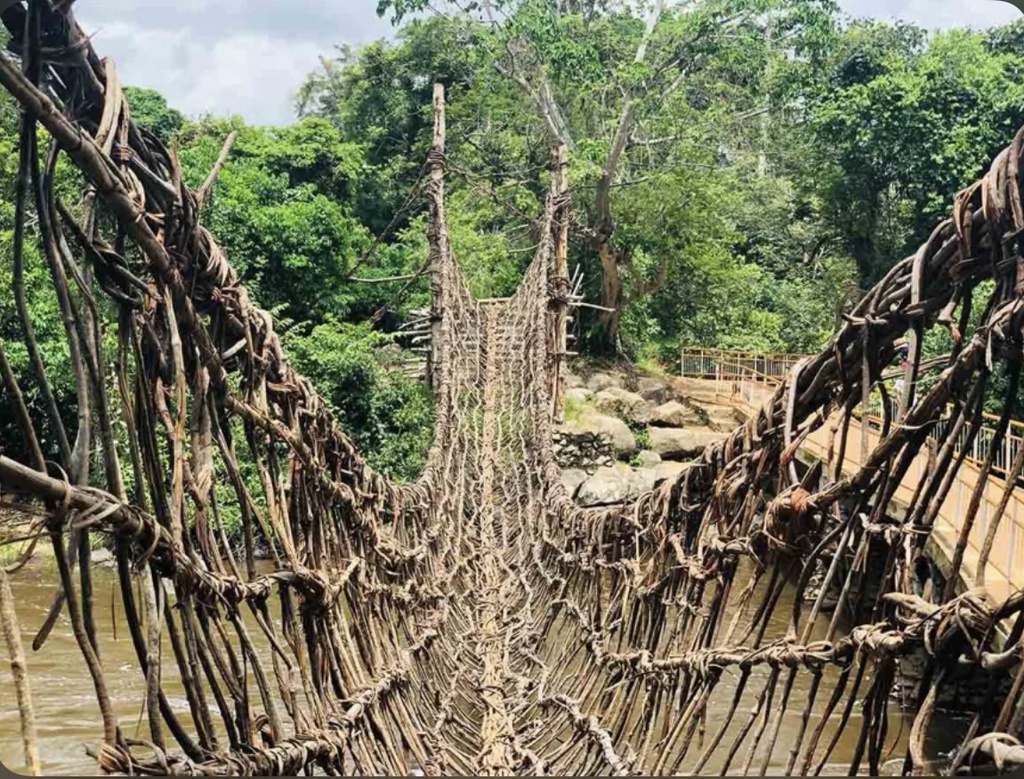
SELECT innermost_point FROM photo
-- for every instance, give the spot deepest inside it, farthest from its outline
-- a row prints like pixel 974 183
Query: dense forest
pixel 740 171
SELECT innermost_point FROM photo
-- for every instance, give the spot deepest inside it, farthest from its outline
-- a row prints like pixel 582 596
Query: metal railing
pixel 977 449
pixel 768 368
pixel 724 364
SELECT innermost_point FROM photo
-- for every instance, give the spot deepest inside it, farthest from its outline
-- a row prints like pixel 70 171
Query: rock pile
pixel 656 429
pixel 583 450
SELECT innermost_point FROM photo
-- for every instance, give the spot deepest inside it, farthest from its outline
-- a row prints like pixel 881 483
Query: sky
pixel 249 57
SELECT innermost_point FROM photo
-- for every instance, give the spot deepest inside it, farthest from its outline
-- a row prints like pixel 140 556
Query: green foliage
pixel 150 110
pixel 574 409
pixel 642 436
pixel 390 416
pixel 280 209
pixel 283 209
pixel 779 161
pixel 688 202
pixel 910 120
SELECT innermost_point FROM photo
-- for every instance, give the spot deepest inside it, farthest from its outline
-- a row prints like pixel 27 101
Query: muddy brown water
pixel 68 719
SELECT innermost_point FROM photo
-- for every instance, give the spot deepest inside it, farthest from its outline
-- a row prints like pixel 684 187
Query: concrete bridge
pixel 747 380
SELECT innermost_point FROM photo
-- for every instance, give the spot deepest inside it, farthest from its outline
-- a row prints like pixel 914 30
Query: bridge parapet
pixel 750 379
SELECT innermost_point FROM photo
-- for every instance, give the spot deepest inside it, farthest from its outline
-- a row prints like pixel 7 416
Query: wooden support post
pixel 560 277
pixel 12 635
pixel 437 237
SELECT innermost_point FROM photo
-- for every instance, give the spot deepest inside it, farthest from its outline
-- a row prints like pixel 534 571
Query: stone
pixel 724 417
pixel 615 431
pixel 581 444
pixel 682 444
pixel 623 404
pixel 572 478
pixel 648 459
pixel 669 470
pixel 578 395
pixel 650 477
pixel 676 414
pixel 103 556
pixel 612 485
pixel 654 390
pixel 573 380
pixel 599 380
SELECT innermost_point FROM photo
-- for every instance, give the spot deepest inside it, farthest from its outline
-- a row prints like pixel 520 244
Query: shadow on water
pixel 68 719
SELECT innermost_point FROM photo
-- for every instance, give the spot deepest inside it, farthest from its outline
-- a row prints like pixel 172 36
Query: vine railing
pixel 752 378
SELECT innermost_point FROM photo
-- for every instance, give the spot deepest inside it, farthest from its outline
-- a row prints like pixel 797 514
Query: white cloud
pixel 257 76
pixel 249 73
pixel 354 20
pixel 937 14
pixel 243 57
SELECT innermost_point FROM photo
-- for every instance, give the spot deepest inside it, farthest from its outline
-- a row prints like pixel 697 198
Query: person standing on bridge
pixel 901 381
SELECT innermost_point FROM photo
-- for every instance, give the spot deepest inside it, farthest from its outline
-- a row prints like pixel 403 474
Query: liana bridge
pixel 474 622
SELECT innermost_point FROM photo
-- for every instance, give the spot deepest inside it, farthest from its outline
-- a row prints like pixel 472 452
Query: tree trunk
pixel 607 340
pixel 862 247
pixel 611 279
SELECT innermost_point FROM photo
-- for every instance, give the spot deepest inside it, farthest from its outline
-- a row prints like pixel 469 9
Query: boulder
pixel 612 485
pixel 615 431
pixel 668 470
pixel 676 414
pixel 579 395
pixel 650 477
pixel 648 459
pixel 724 417
pixel 623 404
pixel 573 380
pixel 599 380
pixel 572 478
pixel 654 390
pixel 682 444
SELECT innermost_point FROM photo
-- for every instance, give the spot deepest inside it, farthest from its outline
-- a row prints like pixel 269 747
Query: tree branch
pixel 204 190
pixel 644 287
pixel 543 97
pixel 605 224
